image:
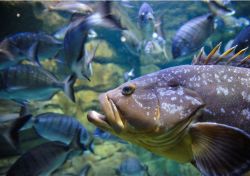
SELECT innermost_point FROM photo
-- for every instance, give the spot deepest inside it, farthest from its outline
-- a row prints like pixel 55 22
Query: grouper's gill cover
pixel 156 103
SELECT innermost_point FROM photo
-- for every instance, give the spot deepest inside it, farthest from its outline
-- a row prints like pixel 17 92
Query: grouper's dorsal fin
pixel 226 58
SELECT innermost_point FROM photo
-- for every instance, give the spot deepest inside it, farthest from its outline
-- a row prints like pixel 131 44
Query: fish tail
pixel 69 86
pixel 12 135
pixel 90 146
pixel 107 19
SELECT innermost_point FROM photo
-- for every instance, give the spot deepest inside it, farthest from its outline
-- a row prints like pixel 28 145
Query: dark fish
pixel 32 46
pixel 7 59
pixel 60 34
pixel 192 35
pixel 132 167
pixel 10 125
pixel 107 136
pixel 242 40
pixel 42 160
pixel 58 127
pixel 188 113
pixel 76 36
pixel 146 20
pixel 26 82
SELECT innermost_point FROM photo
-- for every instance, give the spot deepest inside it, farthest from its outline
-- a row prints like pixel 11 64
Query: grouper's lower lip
pixel 111 119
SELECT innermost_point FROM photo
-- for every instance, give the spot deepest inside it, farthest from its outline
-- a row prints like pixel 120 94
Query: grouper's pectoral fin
pixel 220 149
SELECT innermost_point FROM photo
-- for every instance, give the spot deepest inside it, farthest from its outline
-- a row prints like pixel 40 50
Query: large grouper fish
pixel 188 113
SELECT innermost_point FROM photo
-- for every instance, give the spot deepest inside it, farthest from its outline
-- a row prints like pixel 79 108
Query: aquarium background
pixel 112 60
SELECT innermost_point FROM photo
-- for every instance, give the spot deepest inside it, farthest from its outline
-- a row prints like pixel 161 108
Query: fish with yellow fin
pixel 189 113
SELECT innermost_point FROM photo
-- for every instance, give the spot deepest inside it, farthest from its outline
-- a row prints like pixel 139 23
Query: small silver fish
pixel 71 7
pixel 26 82
pixel 129 75
pixel 146 20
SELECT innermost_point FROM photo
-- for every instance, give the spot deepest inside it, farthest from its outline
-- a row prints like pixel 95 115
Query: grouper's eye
pixel 128 90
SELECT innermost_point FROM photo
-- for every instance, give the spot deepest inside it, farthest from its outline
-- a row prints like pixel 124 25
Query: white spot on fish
pixel 193 100
pixel 208 111
pixel 222 90
pixel 173 98
pixel 245 96
pixel 246 113
pixel 171 108
pixel 222 110
pixel 180 92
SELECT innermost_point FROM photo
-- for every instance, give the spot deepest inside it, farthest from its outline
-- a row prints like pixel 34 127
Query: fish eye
pixel 128 90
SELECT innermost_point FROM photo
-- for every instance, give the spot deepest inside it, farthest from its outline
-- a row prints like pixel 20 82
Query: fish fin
pixel 33 53
pixel 198 60
pixel 93 53
pixel 90 146
pixel 76 16
pixel 113 22
pixel 240 53
pixel 23 110
pixel 12 135
pixel 245 59
pixel 212 53
pixel 69 86
pixel 220 149
pixel 225 54
pixel 21 102
pixel 106 18
pixel 226 58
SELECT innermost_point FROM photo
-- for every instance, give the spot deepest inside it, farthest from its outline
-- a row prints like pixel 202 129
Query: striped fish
pixel 32 46
pixel 192 35
pixel 41 160
pixel 58 127
pixel 27 82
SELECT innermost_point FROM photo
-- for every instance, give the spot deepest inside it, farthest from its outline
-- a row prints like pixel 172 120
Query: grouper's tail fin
pixel 69 87
pixel 228 57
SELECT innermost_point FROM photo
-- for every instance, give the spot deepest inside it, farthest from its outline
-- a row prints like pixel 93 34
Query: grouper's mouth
pixel 112 120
